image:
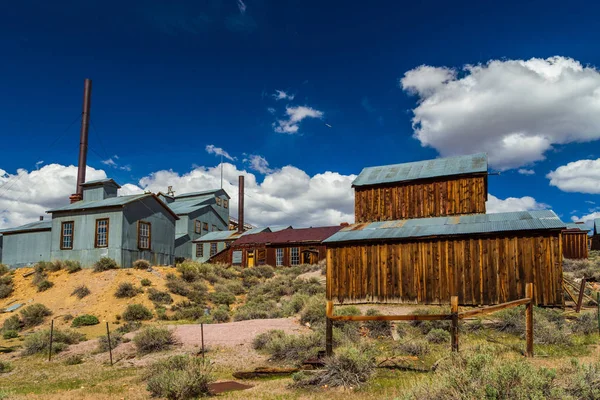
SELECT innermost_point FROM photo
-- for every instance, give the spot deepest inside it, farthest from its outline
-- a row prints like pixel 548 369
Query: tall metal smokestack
pixel 83 140
pixel 241 204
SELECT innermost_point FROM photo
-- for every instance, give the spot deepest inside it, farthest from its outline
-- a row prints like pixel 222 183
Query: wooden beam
pixel 569 294
pixel 529 320
pixel 454 327
pixel 428 317
pixel 580 299
pixel 329 329
pixel 491 309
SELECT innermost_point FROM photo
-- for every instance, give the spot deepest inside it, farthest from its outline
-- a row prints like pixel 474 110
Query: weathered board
pixel 575 244
pixel 430 198
pixel 480 270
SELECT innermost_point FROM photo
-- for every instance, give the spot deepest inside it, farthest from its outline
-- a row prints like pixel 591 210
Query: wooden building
pixel 595 241
pixel 575 241
pixel 483 259
pixel 432 188
pixel 283 248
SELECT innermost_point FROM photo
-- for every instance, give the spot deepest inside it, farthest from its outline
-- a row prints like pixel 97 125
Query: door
pixel 250 256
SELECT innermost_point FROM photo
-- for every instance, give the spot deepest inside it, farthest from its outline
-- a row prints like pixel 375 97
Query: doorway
pixel 250 258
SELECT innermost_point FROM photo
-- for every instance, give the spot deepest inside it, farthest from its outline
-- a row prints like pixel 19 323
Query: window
pixel 218 201
pixel 144 235
pixel 66 235
pixel 294 256
pixel 213 249
pixel 278 257
pixel 101 232
pixel 198 227
pixel 225 203
pixel 199 250
pixel 214 228
pixel 205 226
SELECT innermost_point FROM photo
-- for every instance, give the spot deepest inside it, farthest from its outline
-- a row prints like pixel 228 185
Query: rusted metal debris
pixel 262 372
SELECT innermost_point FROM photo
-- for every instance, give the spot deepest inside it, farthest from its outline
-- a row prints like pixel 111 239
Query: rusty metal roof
pixel 443 226
pixel 475 163
pixel 316 235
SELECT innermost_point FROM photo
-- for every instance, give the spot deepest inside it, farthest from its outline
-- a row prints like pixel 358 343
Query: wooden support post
pixel 329 329
pixel 109 344
pixel 50 344
pixel 454 328
pixel 581 292
pixel 529 320
pixel 598 301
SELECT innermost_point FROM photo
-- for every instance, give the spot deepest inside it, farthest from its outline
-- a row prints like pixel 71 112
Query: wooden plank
pixel 529 320
pixel 428 317
pixel 494 308
pixel 580 299
pixel 454 326
pixel 569 294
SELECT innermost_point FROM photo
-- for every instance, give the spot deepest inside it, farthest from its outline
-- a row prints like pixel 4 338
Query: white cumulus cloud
pixel 515 110
pixel 259 164
pixel 581 176
pixel 295 115
pixel 283 95
pixel 510 204
pixel 212 149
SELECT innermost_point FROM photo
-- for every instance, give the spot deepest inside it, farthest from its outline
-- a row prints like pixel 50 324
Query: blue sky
pixel 171 79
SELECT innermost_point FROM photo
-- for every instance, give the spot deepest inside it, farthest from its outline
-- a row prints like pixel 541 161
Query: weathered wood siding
pixel 266 254
pixel 480 270
pixel 595 242
pixel 575 245
pixel 432 198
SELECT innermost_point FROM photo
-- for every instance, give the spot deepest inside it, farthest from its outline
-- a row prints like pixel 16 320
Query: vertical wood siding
pixel 465 195
pixel 575 245
pixel 481 271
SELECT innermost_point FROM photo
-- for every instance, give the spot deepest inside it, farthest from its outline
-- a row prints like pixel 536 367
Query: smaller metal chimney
pixel 241 204
pixel 83 141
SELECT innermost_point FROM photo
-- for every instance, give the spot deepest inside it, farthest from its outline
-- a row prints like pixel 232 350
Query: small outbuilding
pixel 483 259
pixel 27 244
pixel 213 243
pixel 575 241
pixel 595 240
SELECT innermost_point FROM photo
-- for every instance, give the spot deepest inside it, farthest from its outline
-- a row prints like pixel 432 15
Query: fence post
pixel 598 303
pixel 109 344
pixel 454 328
pixel 51 337
pixel 580 298
pixel 328 329
pixel 529 319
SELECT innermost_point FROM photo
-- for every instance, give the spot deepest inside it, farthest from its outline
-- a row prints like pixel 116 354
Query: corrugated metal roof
pixel 581 227
pixel 183 207
pixel 443 226
pixel 203 192
pixel 109 202
pixel 597 226
pixel 33 226
pixel 218 236
pixel 278 228
pixel 475 163
pixel 290 236
pixel 101 181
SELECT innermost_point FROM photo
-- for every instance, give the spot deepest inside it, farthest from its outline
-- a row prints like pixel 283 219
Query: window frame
pixel 214 228
pixel 62 234
pixel 205 227
pixel 96 235
pixel 213 244
pixel 279 257
pixel 218 201
pixel 139 230
pixel 225 203
pixel 198 226
pixel 292 256
pixel 199 250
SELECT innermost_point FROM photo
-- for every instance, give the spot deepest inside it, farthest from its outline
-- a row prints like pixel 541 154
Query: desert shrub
pixel 178 286
pixel 349 367
pixel 6 279
pixel 68 317
pixel 129 326
pixel 225 273
pixel 259 271
pixel 198 292
pixel 309 287
pixel 378 328
pixel 4 269
pixel 426 326
pixel 190 313
pixel 224 297
pixel 105 264
pixel 549 325
pixel 159 297
pixel 234 287
pixel 152 339
pixel 583 381
pixel 416 348
pixel 10 334
pixel 401 330
pixel 44 285
pixel 190 271
pixel 115 339
pixel 137 312
pixel 12 323
pixel 350 329
pixel 251 281
pixel 179 377
pixel 586 324
pixel 34 315
pixel 313 312
pixel 38 342
pixel 74 359
pixel 141 264
pixel 295 304
pixel 546 332
pixel 81 291
pixel 55 265
pixel 146 282
pixel 5 290
pixel 257 310
pixel 84 320
pixel 41 266
pixel 482 374
pixel 261 341
pixel 125 290
pixel 438 336
pixel 72 266
pixel 5 367
pixel 296 348
pixel 221 314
